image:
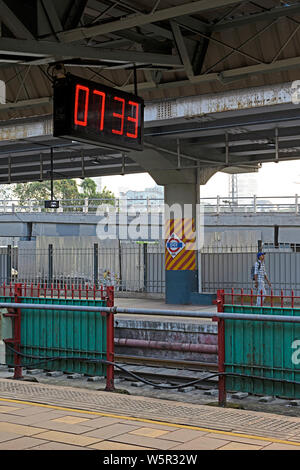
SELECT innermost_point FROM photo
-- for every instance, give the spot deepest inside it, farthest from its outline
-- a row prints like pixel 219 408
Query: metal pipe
pixel 178 313
pixel 167 346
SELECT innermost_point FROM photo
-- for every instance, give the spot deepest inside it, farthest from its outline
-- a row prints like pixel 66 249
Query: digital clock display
pixel 97 114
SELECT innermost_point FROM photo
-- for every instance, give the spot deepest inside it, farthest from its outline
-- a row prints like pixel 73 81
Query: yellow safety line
pixel 144 420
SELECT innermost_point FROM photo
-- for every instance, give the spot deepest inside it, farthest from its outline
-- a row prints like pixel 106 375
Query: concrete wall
pixel 205 333
pixel 224 228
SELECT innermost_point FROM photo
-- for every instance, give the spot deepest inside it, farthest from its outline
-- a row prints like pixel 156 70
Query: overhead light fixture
pixel 96 161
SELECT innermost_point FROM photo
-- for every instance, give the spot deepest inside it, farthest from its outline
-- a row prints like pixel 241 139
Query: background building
pixel 149 197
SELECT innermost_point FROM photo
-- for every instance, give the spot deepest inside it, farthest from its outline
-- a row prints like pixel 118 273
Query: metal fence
pixel 129 267
pixel 140 267
pixel 211 205
pixel 230 267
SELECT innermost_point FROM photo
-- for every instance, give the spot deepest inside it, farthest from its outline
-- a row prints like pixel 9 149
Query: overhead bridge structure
pixel 219 80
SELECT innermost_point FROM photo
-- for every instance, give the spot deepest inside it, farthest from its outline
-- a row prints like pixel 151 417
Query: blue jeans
pixel 260 289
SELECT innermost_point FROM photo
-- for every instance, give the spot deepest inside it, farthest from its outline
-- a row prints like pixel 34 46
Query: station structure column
pixel 181 203
pixel 182 220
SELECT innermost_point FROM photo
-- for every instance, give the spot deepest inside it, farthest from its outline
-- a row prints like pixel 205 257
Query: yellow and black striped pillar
pixel 180 260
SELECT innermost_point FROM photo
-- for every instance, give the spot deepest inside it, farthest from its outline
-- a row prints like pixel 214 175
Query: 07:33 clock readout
pixel 110 113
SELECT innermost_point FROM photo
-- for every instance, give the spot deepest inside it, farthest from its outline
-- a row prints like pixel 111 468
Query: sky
pixel 273 179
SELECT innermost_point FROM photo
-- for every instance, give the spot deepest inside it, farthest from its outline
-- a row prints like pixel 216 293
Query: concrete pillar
pixel 182 187
pixel 181 201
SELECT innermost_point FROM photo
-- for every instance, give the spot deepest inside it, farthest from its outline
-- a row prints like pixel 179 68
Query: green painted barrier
pixel 62 333
pixel 263 349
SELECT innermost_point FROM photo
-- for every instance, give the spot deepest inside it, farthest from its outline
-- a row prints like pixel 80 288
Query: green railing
pixel 263 349
pixel 78 339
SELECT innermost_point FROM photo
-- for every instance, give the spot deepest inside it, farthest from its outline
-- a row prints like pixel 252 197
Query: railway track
pixel 166 371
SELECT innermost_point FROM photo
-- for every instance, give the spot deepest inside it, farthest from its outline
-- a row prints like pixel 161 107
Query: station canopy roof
pixel 178 48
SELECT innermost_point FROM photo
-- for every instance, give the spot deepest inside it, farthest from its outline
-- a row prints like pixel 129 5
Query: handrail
pixel 217 204
pixel 158 312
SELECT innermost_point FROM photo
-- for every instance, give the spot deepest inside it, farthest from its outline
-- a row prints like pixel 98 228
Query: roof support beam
pixel 228 76
pixel 13 23
pixel 141 19
pixel 182 50
pixel 40 49
pixel 279 12
pixel 53 17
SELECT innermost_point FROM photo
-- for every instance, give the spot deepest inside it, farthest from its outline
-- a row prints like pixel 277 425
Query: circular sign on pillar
pixel 174 245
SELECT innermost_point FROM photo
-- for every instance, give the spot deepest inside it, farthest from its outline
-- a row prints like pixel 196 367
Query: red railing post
pixel 220 300
pixel 110 353
pixel 251 297
pixel 281 298
pixel 17 333
pixel 221 360
pixel 271 297
pixel 261 298
pixel 242 296
pixel 292 298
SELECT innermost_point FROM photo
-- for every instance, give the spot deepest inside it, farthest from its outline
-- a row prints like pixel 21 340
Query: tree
pixel 90 192
pixel 40 191
pixel 5 192
pixel 65 190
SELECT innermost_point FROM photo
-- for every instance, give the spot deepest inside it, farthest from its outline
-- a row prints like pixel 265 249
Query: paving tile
pixel 70 420
pixel 109 445
pixel 142 441
pixel 243 440
pixel 239 446
pixel 19 429
pixel 12 403
pixel 201 443
pixel 149 432
pixel 32 419
pixel 152 425
pixel 57 446
pixel 7 409
pixel 67 438
pixel 53 425
pixel 21 443
pixel 278 446
pixel 183 435
pixel 29 410
pixel 101 422
pixel 7 436
pixel 111 431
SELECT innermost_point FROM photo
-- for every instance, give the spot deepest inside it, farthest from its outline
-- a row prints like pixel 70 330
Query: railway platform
pixel 39 416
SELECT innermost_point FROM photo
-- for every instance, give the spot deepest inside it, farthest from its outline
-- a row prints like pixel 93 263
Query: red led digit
pixel 86 103
pixel 100 93
pixel 120 116
pixel 135 120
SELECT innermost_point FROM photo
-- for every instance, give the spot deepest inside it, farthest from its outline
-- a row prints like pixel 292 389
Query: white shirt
pixel 260 270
